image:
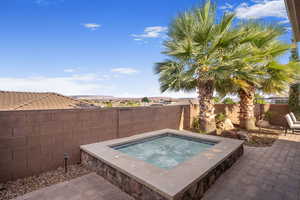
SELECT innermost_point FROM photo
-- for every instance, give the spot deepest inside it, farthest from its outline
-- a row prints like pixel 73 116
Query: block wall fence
pixel 35 141
pixel 232 111
pixel 277 112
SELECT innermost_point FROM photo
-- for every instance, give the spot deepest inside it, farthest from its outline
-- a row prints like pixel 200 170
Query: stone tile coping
pixel 171 182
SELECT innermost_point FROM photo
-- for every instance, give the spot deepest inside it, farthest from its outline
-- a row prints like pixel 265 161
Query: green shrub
pixel 217 99
pixel 108 104
pixel 268 115
pixel 258 99
pixel 228 100
pixel 221 117
pixel 145 100
pixel 195 123
pixel 294 98
pixel 133 104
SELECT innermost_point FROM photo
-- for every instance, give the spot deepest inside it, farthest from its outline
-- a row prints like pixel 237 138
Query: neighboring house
pixel 38 101
pixel 185 101
pixel 275 100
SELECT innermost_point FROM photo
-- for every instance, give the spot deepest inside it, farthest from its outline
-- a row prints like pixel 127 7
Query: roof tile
pixel 38 101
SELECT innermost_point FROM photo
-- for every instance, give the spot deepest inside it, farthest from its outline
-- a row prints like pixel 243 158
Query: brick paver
pixel 266 173
pixel 88 187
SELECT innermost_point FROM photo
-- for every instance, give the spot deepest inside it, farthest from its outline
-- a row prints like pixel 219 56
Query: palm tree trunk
pixel 247 117
pixel 206 107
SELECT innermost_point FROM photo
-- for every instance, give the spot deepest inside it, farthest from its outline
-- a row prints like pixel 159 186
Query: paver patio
pixel 267 173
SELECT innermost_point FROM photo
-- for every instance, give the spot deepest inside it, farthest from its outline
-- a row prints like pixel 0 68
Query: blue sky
pixel 98 47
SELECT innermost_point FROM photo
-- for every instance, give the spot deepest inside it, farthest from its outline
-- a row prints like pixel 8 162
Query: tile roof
pixel 38 101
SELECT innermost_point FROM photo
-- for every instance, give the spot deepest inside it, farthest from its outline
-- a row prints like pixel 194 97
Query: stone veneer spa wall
pixel 147 182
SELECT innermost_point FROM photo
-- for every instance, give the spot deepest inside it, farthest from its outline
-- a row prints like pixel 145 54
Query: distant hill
pixel 98 97
pixel 113 98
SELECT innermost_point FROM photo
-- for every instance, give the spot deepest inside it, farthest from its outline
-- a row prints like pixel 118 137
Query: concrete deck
pixel 88 187
pixel 261 174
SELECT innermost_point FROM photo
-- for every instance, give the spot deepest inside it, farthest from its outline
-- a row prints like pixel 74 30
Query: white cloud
pixel 151 32
pixel 105 77
pixel 288 28
pixel 85 77
pixel 124 70
pixel 47 2
pixel 68 85
pixel 81 84
pixel 286 21
pixel 41 2
pixel 69 70
pixel 92 26
pixel 262 8
pixel 226 7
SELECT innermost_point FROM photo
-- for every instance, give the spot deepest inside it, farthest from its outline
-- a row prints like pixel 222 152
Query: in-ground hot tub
pixel 164 164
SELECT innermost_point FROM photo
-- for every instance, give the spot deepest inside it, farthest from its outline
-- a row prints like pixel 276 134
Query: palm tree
pixel 271 81
pixel 267 75
pixel 202 51
pixel 294 91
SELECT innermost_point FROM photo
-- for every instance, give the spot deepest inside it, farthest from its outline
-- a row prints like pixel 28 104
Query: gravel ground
pixel 12 189
pixel 264 137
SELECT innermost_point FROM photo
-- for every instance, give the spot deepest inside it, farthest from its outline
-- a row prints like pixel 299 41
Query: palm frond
pixel 203 48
